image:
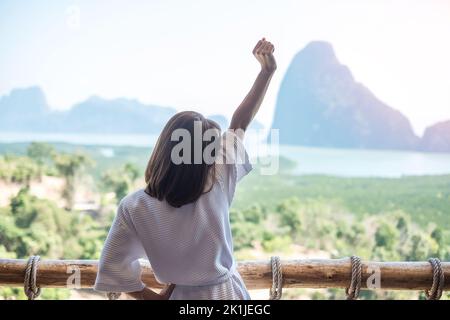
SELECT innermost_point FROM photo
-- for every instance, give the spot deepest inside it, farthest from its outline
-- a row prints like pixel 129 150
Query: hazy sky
pixel 197 54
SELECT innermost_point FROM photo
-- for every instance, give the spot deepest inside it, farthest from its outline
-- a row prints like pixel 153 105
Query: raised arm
pixel 247 110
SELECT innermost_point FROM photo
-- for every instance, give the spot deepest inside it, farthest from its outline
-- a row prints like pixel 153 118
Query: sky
pixel 197 54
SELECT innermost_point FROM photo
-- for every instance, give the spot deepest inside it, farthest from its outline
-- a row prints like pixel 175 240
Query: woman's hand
pixel 248 108
pixel 263 52
pixel 148 294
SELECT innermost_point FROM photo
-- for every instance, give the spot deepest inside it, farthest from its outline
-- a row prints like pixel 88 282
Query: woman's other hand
pixel 148 294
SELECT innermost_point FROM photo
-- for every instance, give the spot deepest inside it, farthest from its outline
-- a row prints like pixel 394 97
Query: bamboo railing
pixel 308 273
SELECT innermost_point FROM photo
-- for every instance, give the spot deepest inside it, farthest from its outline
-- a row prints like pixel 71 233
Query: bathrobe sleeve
pixel 232 163
pixel 119 269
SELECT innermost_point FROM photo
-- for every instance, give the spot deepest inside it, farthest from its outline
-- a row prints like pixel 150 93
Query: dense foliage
pixel 379 219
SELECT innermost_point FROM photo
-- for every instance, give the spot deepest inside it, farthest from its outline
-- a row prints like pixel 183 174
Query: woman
pixel 180 221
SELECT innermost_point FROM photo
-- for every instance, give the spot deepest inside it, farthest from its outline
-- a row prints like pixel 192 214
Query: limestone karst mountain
pixel 436 138
pixel 320 104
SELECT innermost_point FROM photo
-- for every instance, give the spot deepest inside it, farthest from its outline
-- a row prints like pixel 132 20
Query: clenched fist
pixel 264 54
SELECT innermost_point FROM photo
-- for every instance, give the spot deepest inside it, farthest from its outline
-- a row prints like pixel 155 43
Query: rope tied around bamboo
pixel 353 290
pixel 32 290
pixel 277 279
pixel 437 286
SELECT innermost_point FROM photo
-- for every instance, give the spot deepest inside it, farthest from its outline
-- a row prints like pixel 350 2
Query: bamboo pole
pixel 308 273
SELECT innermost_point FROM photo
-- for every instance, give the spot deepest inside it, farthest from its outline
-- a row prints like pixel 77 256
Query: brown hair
pixel 183 183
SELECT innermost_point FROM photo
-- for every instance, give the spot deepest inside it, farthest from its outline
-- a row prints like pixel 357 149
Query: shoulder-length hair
pixel 175 182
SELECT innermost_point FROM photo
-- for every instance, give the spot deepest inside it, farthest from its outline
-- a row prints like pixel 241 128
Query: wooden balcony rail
pixel 308 273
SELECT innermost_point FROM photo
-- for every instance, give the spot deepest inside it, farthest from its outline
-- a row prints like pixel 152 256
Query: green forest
pixel 287 215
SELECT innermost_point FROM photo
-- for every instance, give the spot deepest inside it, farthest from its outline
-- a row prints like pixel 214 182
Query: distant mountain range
pixel 320 104
pixel 26 110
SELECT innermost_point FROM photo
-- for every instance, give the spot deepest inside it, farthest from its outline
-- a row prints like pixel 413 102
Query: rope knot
pixel 30 286
pixel 352 292
pixel 437 286
pixel 277 279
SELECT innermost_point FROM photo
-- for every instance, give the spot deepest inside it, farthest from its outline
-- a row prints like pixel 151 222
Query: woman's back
pixel 190 246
